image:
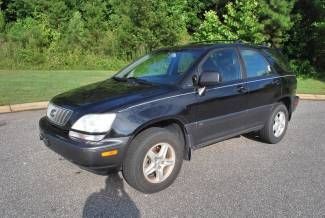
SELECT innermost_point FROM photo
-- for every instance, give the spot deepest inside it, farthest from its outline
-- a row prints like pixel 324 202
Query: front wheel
pixel 153 160
pixel 276 126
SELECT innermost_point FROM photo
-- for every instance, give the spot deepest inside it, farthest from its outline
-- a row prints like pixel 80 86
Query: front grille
pixel 58 115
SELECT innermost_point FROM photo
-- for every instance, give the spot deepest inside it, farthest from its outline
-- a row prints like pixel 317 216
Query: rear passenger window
pixel 255 63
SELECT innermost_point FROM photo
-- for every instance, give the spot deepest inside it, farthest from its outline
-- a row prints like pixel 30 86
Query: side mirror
pixel 195 80
pixel 209 79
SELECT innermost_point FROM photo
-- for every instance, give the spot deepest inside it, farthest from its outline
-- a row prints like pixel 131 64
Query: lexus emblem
pixel 52 113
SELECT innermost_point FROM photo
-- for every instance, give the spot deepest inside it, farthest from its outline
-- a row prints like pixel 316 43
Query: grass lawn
pixel 311 86
pixel 30 86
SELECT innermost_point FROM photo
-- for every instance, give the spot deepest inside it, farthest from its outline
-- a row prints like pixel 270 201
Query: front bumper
pixel 85 154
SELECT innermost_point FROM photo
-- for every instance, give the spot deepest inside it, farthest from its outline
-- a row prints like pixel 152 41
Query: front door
pixel 220 111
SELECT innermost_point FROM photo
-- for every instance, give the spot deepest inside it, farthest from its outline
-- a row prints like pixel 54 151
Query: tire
pixel 138 159
pixel 268 134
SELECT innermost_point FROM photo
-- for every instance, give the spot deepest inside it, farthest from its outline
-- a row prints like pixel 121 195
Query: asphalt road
pixel 239 177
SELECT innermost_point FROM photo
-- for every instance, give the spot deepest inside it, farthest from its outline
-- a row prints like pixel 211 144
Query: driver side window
pixel 225 62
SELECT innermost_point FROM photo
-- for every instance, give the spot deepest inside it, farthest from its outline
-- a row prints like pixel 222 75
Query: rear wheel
pixel 153 160
pixel 276 126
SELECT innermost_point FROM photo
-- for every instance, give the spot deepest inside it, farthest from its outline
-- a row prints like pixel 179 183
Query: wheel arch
pixel 174 125
pixel 288 103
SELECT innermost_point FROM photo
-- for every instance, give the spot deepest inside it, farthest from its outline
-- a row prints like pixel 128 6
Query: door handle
pixel 276 82
pixel 241 89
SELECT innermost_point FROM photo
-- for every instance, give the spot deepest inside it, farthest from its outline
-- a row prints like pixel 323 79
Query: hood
pixel 106 95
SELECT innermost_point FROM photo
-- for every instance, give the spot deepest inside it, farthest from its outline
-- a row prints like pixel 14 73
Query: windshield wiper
pixel 138 80
pixel 132 79
pixel 120 79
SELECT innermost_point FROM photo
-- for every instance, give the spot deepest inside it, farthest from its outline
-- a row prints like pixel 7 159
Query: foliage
pixel 196 9
pixel 302 68
pixel 74 35
pixel 144 25
pixel 63 34
pixel 277 20
pixel 238 22
pixel 30 32
pixel 306 44
pixel 251 20
pixel 2 22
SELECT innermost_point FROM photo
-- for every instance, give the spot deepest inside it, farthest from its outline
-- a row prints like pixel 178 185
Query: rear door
pixel 221 110
pixel 263 84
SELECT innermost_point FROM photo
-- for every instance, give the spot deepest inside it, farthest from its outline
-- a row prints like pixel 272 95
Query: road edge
pixel 312 97
pixel 23 107
pixel 43 104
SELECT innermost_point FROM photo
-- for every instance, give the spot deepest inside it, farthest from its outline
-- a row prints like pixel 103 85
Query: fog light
pixel 109 153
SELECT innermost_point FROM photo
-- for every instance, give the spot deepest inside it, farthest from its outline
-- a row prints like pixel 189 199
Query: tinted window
pixel 186 60
pixel 255 63
pixel 277 59
pixel 164 67
pixel 154 66
pixel 225 62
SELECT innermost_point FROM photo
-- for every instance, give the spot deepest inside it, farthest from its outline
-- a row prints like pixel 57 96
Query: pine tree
pixel 275 15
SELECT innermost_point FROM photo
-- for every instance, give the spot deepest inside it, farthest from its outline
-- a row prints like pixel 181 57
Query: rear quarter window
pixel 277 59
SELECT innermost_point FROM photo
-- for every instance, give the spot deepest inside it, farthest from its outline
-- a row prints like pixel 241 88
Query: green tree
pixel 101 29
pixel 144 25
pixel 238 22
pixel 57 11
pixel 195 10
pixel 95 15
pixel 277 20
pixel 306 43
pixel 2 22
pixel 74 36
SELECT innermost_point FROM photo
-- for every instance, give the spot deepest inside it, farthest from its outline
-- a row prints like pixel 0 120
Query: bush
pixel 31 33
pixel 302 68
pixel 95 34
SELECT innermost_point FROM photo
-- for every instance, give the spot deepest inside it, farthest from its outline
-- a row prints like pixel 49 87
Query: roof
pixel 214 44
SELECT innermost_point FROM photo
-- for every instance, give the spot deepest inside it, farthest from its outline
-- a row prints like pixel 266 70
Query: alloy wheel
pixel 159 162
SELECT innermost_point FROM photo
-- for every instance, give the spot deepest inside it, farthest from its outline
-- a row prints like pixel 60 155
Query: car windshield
pixel 163 67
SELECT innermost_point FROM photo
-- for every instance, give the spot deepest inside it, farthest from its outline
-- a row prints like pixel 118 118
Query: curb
pixel 5 109
pixel 312 97
pixel 43 104
pixel 23 107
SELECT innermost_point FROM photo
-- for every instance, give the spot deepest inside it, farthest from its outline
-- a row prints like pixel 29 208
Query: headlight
pixel 92 126
pixel 94 123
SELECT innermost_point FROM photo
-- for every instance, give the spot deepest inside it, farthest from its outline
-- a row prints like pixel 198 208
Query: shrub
pixel 302 68
pixel 31 32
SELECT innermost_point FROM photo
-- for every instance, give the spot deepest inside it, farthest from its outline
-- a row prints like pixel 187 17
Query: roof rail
pixel 218 40
pixel 265 44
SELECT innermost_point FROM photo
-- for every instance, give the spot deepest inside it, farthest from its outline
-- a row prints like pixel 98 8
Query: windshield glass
pixel 163 67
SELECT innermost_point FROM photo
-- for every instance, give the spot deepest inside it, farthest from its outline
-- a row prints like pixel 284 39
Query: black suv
pixel 149 117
